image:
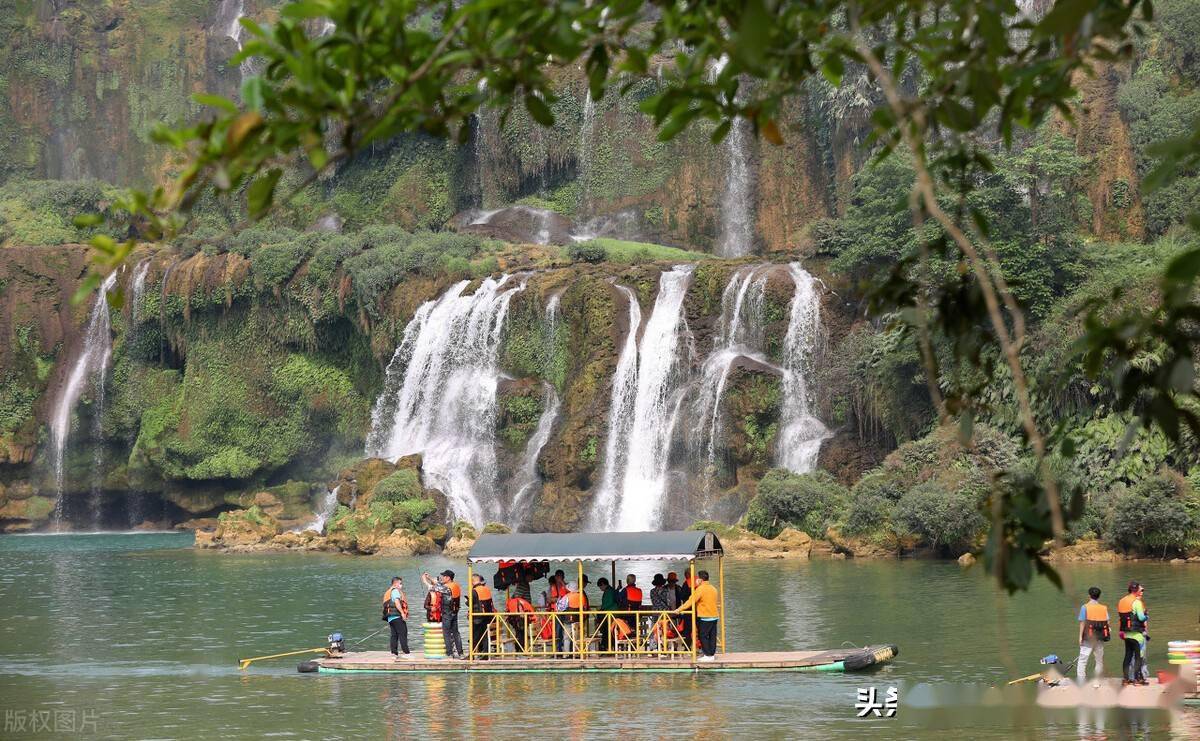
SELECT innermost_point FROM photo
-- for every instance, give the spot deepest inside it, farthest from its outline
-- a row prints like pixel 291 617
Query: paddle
pixel 243 663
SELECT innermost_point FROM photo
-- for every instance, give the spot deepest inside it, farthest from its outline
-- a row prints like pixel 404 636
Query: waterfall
pixel 737 212
pixel 586 137
pixel 739 333
pixel 801 433
pixel 641 422
pixel 439 395
pixel 329 505
pixel 92 364
pixel 481 124
pixel 138 289
pixel 528 479
pixel 229 13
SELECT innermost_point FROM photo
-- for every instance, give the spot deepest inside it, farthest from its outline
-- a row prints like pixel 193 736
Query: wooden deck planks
pixel 383 661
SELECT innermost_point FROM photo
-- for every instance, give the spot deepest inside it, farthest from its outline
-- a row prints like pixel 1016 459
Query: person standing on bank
pixel 706 601
pixel 1131 612
pixel 481 625
pixel 395 612
pixel 1093 633
pixel 451 594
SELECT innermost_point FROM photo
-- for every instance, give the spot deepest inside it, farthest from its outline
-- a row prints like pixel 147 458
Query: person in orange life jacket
pixel 631 599
pixel 558 590
pixel 433 607
pixel 481 625
pixel 520 621
pixel 1093 633
pixel 451 596
pixel 569 605
pixel 1131 613
pixel 395 612
pixel 705 599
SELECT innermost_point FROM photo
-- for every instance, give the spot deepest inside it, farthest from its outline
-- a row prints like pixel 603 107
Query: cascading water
pixel 229 15
pixel 92 364
pixel 528 479
pixel 801 433
pixel 739 334
pixel 586 136
pixel 329 505
pixel 737 213
pixel 640 428
pixel 138 289
pixel 439 396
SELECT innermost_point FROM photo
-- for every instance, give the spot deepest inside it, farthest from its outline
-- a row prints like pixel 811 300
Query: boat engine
pixel 337 644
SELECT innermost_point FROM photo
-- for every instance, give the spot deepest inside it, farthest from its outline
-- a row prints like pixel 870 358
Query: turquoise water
pixel 142 634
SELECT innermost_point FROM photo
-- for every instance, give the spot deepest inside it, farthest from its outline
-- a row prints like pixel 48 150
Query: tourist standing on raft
pixel 705 598
pixel 395 612
pixel 1093 633
pixel 481 626
pixel 451 595
pixel 1131 612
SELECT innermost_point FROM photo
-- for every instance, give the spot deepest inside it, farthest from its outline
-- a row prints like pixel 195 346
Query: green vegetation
pixel 400 486
pixel 603 249
pixel 809 502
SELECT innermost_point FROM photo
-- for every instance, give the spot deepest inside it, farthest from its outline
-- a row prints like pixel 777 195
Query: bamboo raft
pixel 835 660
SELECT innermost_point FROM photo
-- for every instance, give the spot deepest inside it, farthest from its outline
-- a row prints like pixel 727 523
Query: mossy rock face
pixel 752 404
pixel 24 514
pixel 520 404
pixel 245 527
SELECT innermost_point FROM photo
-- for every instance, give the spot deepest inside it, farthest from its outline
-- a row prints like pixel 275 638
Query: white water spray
pixel 801 433
pixel 739 334
pixel 91 364
pixel 737 212
pixel 439 396
pixel 644 400
pixel 528 479
pixel 329 505
pixel 138 289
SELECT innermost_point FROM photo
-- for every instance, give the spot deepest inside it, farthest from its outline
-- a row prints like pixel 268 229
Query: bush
pixel 868 514
pixel 411 514
pixel 400 486
pixel 589 251
pixel 944 519
pixel 810 502
pixel 1158 513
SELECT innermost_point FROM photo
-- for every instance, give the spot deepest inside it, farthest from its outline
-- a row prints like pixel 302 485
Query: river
pixel 138 635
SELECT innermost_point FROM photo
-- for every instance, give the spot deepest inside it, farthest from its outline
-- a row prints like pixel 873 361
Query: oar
pixel 1026 679
pixel 243 663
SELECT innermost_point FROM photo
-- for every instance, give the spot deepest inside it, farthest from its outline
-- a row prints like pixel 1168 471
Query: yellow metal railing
pixel 587 633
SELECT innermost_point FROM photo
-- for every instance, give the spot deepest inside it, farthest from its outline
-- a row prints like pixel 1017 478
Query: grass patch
pixel 622 251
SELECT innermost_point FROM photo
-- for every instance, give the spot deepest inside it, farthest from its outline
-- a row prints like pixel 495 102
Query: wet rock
pixel 520 224
pixel 1087 551
pixel 966 560
pixel 403 543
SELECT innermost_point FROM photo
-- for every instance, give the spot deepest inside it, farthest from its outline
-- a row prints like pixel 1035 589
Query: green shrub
pixel 411 514
pixel 497 528
pixel 809 502
pixel 589 251
pixel 944 519
pixel 871 513
pixel 1158 513
pixel 399 486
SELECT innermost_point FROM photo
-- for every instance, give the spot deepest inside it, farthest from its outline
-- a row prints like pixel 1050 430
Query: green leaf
pixel 539 110
pixel 1184 267
pixel 1183 375
pixel 83 221
pixel 261 192
pixel 215 101
pixel 252 93
pixel 833 68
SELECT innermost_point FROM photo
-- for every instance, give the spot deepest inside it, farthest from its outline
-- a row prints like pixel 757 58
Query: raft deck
pixel 835 660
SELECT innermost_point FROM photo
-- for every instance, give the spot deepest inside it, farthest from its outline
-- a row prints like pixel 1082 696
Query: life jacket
pixel 633 596
pixel 455 598
pixel 433 607
pixel 518 604
pixel 1129 621
pixel 555 593
pixel 620 628
pixel 1095 624
pixel 389 606
pixel 576 600
pixel 483 599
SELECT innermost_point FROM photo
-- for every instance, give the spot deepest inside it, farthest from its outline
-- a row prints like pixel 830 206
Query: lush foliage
pixel 808 502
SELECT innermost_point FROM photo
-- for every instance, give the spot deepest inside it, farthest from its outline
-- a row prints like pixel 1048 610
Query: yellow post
pixel 580 647
pixel 470 610
pixel 695 636
pixel 721 594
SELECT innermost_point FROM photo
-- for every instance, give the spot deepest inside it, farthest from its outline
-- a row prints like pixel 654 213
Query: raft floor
pixel 382 661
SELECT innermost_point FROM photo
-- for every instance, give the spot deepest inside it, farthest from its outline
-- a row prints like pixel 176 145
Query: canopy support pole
pixel 695 635
pixel 470 614
pixel 721 593
pixel 581 646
